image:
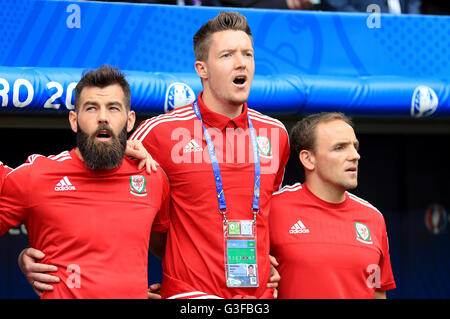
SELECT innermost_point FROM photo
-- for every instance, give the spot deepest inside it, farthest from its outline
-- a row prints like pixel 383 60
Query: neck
pixel 77 151
pixel 325 192
pixel 223 108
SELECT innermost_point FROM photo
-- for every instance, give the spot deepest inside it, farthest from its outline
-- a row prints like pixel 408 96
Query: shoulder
pixel 284 202
pixel 61 157
pixel 275 129
pixel 160 175
pixel 4 169
pixel 358 201
pixel 26 175
pixel 265 119
pixel 174 117
pixel 288 190
pixel 40 162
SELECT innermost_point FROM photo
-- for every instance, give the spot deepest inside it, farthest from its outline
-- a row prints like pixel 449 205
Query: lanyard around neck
pixel 216 169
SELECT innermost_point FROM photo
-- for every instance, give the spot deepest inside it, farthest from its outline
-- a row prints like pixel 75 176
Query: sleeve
pixel 4 170
pixel 274 224
pixel 387 277
pixel 284 153
pixel 13 200
pixel 162 219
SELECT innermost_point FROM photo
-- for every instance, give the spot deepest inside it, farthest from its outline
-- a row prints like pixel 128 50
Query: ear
pixel 131 121
pixel 201 69
pixel 73 121
pixel 307 159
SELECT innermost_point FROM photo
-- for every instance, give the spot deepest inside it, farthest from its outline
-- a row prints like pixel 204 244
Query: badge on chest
pixel 240 253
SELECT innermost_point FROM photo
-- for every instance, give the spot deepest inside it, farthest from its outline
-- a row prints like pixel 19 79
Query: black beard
pixel 102 155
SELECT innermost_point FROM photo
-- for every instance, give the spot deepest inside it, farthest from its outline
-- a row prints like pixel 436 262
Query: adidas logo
pixel 64 185
pixel 192 146
pixel 298 228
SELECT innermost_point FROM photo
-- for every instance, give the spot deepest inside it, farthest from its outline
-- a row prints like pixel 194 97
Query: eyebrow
pixel 117 103
pixel 356 144
pixel 234 50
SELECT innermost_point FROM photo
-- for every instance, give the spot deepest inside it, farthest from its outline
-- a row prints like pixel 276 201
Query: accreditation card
pixel 240 253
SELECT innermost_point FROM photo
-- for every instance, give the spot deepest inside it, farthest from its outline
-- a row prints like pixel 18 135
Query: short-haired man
pixel 90 210
pixel 329 243
pixel 224 161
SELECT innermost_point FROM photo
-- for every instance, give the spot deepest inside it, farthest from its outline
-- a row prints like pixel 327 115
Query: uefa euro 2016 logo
pixel 436 219
pixel 178 94
pixel 424 101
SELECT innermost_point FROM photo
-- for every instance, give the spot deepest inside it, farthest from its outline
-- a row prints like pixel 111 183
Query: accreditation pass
pixel 241 268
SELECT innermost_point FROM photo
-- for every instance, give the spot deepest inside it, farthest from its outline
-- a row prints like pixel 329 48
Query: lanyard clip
pixel 255 213
pixel 224 214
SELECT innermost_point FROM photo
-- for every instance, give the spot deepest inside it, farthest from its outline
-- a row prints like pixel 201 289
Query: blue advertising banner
pixel 51 90
pixel 358 63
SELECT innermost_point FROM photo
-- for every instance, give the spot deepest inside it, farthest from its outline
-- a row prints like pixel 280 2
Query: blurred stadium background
pixel 390 72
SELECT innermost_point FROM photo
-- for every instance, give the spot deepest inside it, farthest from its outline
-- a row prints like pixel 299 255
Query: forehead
pixel 230 39
pixel 108 93
pixel 334 131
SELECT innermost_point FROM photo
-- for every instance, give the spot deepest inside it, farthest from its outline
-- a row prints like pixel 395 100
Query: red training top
pixel 193 265
pixel 328 250
pixel 94 225
pixel 3 171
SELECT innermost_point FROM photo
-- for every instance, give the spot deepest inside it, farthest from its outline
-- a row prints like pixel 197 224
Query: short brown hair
pixel 102 77
pixel 303 134
pixel 222 22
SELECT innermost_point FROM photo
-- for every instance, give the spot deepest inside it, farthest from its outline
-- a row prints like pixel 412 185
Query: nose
pixel 354 155
pixel 239 61
pixel 102 115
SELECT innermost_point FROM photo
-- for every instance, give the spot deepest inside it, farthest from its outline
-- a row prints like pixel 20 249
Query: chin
pixel 351 186
pixel 238 102
pixel 239 99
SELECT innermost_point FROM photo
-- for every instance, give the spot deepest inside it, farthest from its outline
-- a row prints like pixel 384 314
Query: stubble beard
pixel 351 184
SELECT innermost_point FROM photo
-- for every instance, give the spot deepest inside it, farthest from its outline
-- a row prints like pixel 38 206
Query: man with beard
pixel 90 210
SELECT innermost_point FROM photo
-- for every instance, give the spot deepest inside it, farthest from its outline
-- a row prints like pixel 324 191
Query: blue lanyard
pixel 216 170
